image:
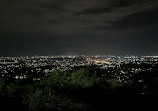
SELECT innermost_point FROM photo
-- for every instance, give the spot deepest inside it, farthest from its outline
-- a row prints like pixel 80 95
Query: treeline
pixel 76 90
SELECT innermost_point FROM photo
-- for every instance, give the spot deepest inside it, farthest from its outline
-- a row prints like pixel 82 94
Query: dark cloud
pixel 125 3
pixel 73 26
pixel 95 10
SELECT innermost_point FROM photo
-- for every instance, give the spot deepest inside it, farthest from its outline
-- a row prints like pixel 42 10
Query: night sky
pixel 53 27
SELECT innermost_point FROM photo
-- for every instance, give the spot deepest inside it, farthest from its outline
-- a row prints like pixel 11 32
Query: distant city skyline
pixel 72 27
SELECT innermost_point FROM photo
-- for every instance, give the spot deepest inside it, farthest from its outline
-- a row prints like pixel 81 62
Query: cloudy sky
pixel 52 27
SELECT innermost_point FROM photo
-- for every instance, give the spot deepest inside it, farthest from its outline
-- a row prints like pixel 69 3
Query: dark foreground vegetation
pixel 80 90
